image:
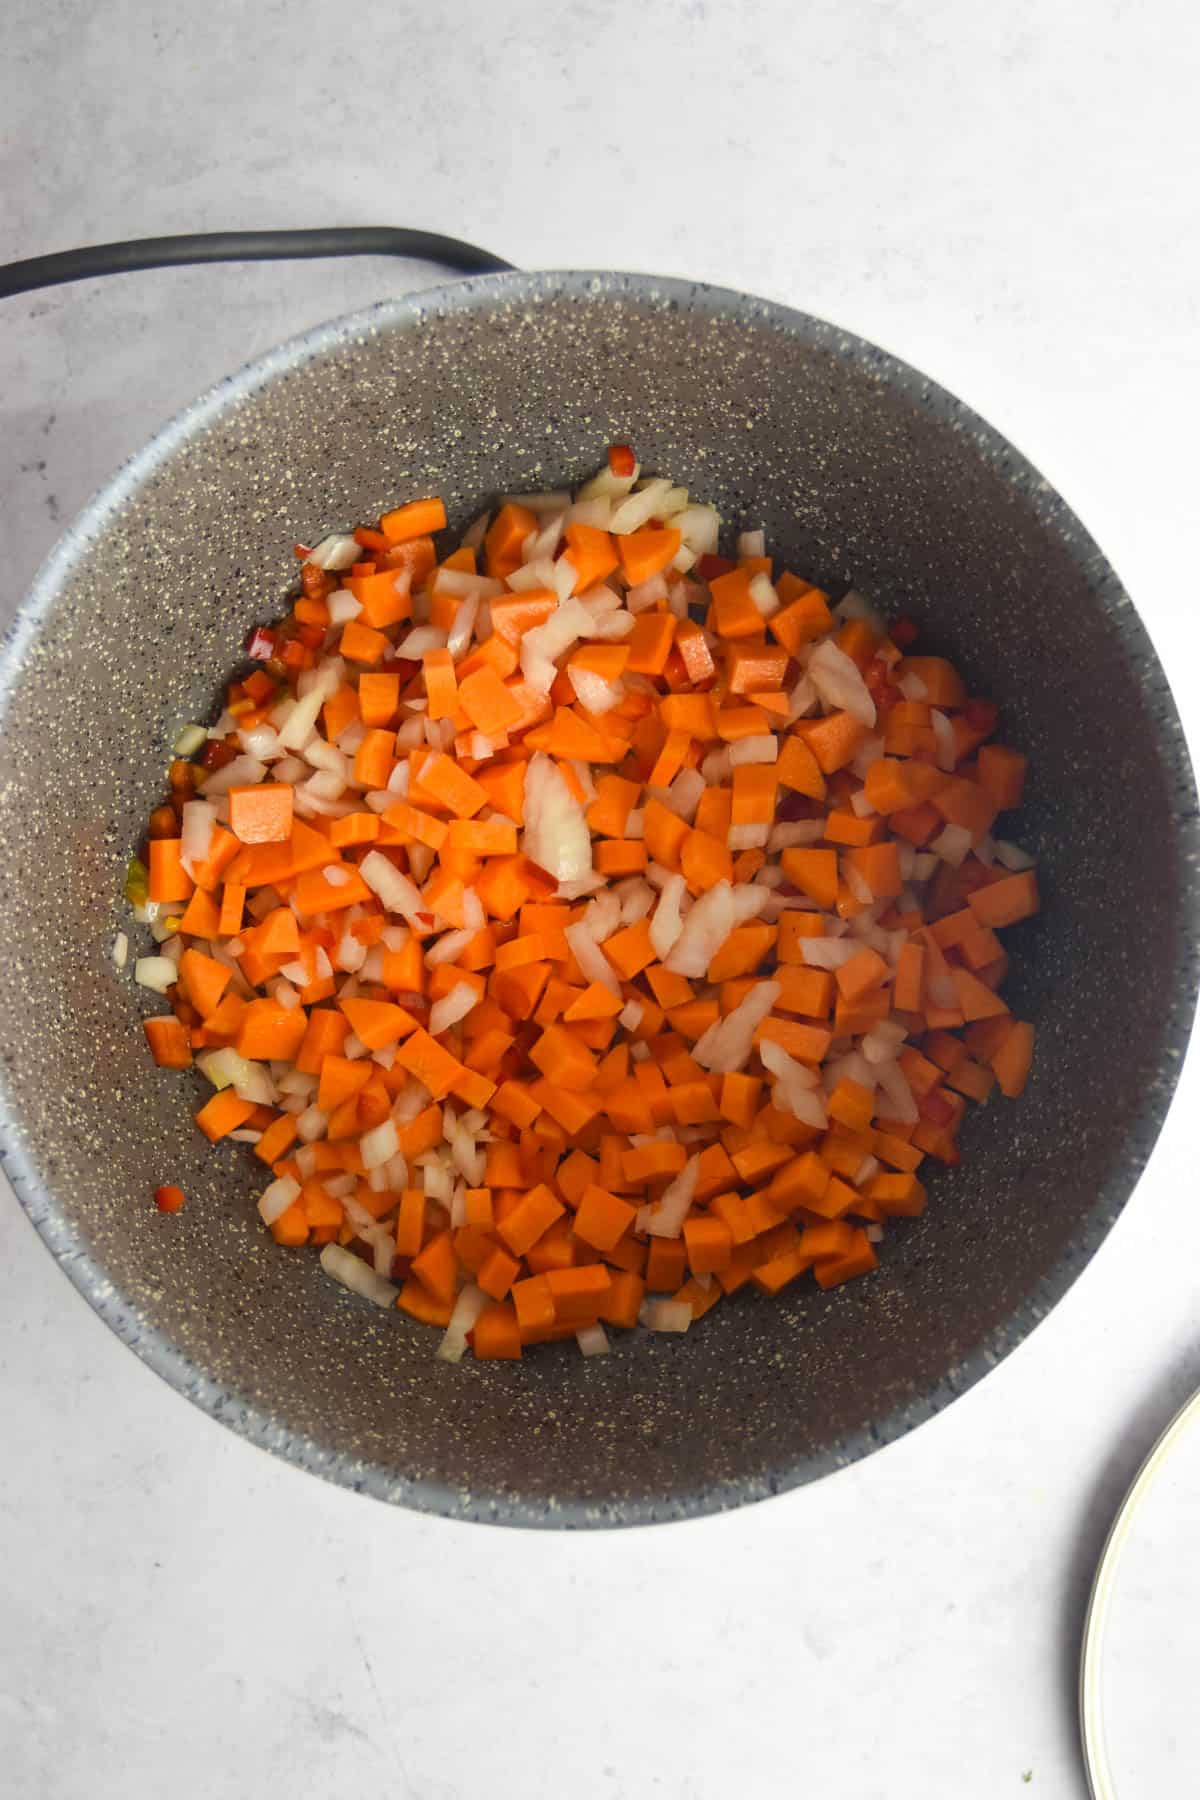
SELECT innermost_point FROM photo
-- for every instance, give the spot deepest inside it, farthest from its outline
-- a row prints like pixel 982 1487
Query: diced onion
pixel 467 1308
pixel 839 682
pixel 338 551
pixel 354 1274
pixel 379 1145
pixel 274 1201
pixel 762 748
pixel 897 1094
pixel 593 1340
pixel 665 1217
pixel 947 748
pixel 725 1047
pixel 556 834
pixel 452 1007
pixel 665 1315
pixel 827 952
pixel 155 972
pixel 1011 856
pixel 189 740
pixel 593 964
pixel 953 845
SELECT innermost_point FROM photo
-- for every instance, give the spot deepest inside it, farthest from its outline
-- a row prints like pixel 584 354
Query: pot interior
pixel 862 473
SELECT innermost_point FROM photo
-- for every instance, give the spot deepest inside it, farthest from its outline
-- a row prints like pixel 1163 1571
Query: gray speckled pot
pixel 860 470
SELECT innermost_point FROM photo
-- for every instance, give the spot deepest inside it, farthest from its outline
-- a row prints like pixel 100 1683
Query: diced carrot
pixel 169 879
pixel 505 536
pixel 1007 901
pixel 496 1335
pixel 224 1113
pixel 170 1042
pixel 262 814
pixel 416 518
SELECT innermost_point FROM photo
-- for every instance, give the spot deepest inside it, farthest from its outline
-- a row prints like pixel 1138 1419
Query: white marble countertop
pixel 1001 196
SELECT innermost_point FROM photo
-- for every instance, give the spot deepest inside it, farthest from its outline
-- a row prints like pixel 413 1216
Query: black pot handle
pixel 245 246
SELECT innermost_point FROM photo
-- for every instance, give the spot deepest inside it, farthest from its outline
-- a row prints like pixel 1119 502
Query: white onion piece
pixel 379 1145
pixel 337 551
pixel 630 1015
pixel 311 1123
pixel 452 1007
pixel 556 835
pixel 541 647
pixel 420 641
pixel 827 952
pixel 343 606
pixel 274 1201
pixel 199 817
pixel 633 512
pixel 883 1041
pixel 593 964
pixel 868 753
pixel 459 638
pixel 855 606
pixel 684 794
pixel 120 950
pixel 593 692
pixel 532 576
pixel 596 511
pixel 747 837
pixel 893 1085
pixel 243 771
pixel 665 1315
pixel 799 831
pixel 752 543
pixel 912 687
pixel 447 947
pixel 953 845
pixel 603 916
pixel 607 486
pixel 261 741
pixel 762 592
pixel 467 1308
pixel 667 924
pixel 762 748
pixel 795 1088
pixel 592 1340
pixel 1011 856
pixel 610 627
pixel 716 767
pixel 858 885
pixel 699 527
pixel 803 700
pixel 395 890
pixel 665 1217
pixel 647 593
pixel 726 1046
pixel 636 897
pixel 839 682
pixel 155 972
pixel 947 749
pixel 748 902
pixel 354 1274
pixel 851 1067
pixel 462 585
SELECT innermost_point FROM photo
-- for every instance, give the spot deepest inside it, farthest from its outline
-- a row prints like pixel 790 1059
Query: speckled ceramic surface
pixel 860 470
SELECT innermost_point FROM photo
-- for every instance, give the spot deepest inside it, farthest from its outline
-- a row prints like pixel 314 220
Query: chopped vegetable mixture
pixel 584 926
